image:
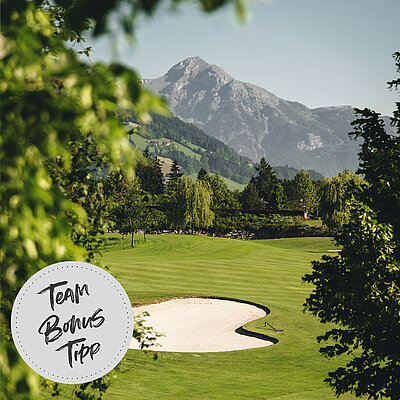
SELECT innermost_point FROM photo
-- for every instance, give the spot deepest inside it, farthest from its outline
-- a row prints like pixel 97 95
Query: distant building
pixel 131 124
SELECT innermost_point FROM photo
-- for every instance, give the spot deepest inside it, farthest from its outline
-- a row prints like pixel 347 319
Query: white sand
pixel 201 325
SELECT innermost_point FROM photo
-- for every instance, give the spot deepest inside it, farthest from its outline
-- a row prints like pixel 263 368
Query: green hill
pixel 191 147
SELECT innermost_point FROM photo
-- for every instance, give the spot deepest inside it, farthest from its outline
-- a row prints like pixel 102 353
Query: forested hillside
pixel 194 149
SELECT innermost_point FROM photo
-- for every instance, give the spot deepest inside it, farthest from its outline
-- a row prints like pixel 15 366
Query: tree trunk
pixel 133 240
pixel 144 235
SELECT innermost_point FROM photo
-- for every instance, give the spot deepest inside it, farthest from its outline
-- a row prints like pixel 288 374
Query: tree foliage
pixel 190 204
pixel 174 175
pixel 81 180
pixel 150 175
pixel 288 173
pixel 360 289
pixel 280 196
pixel 48 93
pixel 200 202
pixel 222 197
pixel 302 192
pixel 44 99
pixel 202 174
pixel 335 198
pixel 249 198
pixel 130 213
pixel 265 183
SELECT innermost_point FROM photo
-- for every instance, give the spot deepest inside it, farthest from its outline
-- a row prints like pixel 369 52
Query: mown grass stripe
pixel 266 272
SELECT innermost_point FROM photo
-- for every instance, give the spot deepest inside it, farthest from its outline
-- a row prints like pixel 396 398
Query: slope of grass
pixel 187 148
pixel 267 272
pixel 232 185
pixel 141 143
pixel 165 164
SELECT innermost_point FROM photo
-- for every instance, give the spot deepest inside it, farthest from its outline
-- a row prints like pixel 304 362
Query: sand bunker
pixel 202 325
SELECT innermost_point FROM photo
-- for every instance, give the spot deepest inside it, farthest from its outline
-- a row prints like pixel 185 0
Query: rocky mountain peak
pixel 196 67
pixel 196 60
pixel 255 122
pixel 189 66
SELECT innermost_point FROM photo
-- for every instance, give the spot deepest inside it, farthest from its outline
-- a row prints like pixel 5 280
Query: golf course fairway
pixel 266 272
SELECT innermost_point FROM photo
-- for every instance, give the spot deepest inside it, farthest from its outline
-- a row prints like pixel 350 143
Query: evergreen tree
pixel 149 173
pixel 265 183
pixel 202 174
pixel 174 175
pixel 249 198
pixel 146 152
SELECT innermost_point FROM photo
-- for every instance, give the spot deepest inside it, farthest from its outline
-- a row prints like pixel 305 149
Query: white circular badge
pixel 72 322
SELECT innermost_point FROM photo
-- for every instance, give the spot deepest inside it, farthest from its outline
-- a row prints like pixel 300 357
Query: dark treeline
pixel 129 201
pixel 286 172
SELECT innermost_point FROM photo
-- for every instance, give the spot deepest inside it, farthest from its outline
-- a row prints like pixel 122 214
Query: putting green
pixel 265 272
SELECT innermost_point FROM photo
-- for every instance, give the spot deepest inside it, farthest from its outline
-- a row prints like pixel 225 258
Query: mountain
pixel 257 123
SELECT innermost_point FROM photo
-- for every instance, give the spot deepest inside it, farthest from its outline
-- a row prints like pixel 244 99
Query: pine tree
pixel 265 183
pixel 146 152
pixel 174 175
pixel 249 198
pixel 202 174
pixel 149 173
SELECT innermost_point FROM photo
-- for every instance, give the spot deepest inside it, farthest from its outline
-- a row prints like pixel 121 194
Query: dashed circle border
pixel 80 265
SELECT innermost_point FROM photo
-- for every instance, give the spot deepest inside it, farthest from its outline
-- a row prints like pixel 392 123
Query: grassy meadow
pixel 141 143
pixel 232 185
pixel 267 272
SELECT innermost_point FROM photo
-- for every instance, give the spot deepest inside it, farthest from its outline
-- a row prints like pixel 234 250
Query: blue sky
pixel 317 52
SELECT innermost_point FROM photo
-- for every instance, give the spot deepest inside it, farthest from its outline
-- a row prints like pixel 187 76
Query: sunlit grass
pixel 267 272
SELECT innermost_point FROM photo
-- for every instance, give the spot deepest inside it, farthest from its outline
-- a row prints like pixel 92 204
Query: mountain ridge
pixel 257 123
